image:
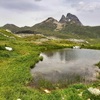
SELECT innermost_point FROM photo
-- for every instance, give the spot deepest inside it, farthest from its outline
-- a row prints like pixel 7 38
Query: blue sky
pixel 30 12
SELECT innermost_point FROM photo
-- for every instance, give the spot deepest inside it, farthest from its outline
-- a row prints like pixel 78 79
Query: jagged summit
pixel 63 19
pixel 73 19
pixel 70 19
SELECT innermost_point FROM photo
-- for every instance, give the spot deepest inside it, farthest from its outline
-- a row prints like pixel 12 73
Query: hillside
pixel 82 31
pixel 16 81
pixel 13 28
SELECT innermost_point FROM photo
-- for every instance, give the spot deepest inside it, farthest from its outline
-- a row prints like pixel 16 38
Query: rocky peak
pixel 71 16
pixel 70 19
pixel 63 19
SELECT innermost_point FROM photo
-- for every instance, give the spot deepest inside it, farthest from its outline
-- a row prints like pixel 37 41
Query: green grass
pixel 15 66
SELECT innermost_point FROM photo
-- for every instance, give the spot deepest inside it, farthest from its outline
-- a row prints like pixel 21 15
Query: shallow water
pixel 67 64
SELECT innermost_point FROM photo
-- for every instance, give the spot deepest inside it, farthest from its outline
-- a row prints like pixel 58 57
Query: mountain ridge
pixel 48 20
pixel 69 24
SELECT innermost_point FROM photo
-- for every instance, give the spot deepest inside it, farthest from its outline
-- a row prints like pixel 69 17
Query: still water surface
pixel 67 64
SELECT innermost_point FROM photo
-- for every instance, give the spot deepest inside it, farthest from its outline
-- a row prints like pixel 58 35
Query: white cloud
pixel 88 6
pixel 81 3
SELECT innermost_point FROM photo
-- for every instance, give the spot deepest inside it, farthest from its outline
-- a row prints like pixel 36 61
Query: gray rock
pixel 70 19
pixel 63 19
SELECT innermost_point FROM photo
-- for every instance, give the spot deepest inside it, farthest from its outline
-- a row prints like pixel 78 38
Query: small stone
pixel 94 91
pixel 47 91
pixel 18 99
pixel 88 99
pixel 80 94
pixel 8 48
pixel 63 98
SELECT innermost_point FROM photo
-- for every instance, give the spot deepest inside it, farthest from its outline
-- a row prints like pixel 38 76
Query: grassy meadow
pixel 15 66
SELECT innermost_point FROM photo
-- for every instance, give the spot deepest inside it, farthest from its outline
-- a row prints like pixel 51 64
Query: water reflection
pixel 67 64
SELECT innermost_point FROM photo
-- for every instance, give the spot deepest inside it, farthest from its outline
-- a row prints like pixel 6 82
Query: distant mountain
pixel 11 27
pixel 70 19
pixel 50 24
pixel 19 30
pixel 67 26
pixel 54 25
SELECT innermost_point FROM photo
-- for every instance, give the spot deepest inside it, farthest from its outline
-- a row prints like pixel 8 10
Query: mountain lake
pixel 67 65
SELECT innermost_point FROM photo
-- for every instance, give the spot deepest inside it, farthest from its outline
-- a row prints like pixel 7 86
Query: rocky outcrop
pixel 63 19
pixel 70 19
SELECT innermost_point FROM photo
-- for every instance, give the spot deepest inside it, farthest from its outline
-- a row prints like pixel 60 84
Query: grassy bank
pixel 15 73
pixel 15 65
pixel 92 44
